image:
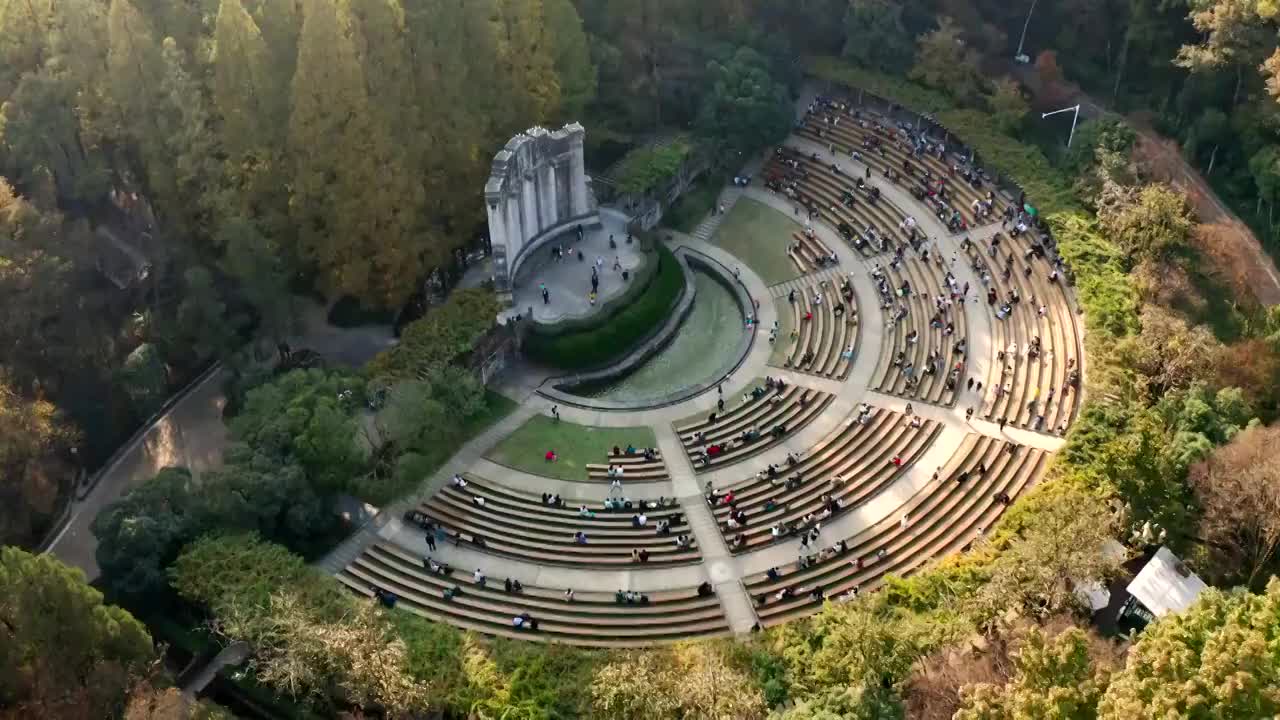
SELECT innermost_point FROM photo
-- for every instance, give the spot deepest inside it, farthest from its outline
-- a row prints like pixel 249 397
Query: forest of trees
pixel 336 149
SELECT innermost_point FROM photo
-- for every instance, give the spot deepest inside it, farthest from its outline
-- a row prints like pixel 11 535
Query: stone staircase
pixel 805 282
pixel 707 228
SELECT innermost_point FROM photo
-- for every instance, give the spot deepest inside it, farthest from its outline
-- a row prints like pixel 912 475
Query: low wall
pixel 559 388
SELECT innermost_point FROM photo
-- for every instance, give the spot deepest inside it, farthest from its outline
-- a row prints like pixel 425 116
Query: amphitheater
pixel 909 392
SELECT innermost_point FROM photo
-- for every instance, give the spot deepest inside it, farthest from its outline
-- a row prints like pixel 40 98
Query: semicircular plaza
pixel 915 360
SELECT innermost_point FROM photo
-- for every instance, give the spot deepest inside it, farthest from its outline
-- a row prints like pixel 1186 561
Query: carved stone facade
pixel 537 190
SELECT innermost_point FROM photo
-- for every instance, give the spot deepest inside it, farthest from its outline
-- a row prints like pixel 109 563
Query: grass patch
pixel 598 346
pixel 577 446
pixel 758 235
pixel 412 468
pixel 694 206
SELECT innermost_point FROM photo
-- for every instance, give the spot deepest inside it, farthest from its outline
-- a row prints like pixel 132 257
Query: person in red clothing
pixel 550 456
pixel 897 461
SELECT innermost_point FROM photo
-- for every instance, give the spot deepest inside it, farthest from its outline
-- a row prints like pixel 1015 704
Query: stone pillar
pixel 581 205
pixel 528 207
pixel 514 226
pixel 547 184
pixel 497 234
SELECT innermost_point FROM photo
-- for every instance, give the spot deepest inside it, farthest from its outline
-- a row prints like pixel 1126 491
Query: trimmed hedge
pixel 442 335
pixel 601 345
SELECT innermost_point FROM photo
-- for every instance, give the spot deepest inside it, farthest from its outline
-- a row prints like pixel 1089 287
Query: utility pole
pixel 1025 25
pixel 1074 119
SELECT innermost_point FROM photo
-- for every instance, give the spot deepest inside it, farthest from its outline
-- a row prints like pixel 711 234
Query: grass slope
pixel 758 235
pixel 577 446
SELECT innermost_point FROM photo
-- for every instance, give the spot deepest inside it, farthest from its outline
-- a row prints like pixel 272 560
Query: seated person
pixel 451 592
pixel 580 538
pixel 631 450
pixel 705 589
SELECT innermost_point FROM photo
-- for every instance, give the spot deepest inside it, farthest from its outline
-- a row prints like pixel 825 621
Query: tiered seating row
pixel 825 341
pixel 1019 386
pixel 887 148
pixel 834 198
pixel 635 468
pixel 850 467
pixel 518 525
pixel 943 518
pixel 926 282
pixel 592 619
pixel 772 415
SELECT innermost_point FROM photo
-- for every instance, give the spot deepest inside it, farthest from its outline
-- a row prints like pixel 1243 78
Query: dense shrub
pixel 446 333
pixel 601 345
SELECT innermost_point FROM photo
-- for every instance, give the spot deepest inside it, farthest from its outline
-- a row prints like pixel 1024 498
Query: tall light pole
pixel 1073 108
pixel 1025 25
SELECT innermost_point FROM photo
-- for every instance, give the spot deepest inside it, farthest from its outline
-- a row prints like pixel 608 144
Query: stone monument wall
pixel 537 189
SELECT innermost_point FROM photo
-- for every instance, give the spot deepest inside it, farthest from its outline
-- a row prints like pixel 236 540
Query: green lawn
pixel 758 235
pixel 577 446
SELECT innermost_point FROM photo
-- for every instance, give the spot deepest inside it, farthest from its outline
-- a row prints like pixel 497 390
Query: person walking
pixel 546 294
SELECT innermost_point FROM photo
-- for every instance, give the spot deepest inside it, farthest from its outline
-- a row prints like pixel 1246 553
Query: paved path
pixel 192 435
pixel 568 281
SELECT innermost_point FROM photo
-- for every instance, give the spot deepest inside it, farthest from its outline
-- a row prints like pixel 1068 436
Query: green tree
pixel 443 335
pixel 746 108
pixel 255 261
pixel 40 132
pixel 144 379
pixel 247 89
pixel 353 201
pixel 1216 659
pixel 875 37
pixel 305 416
pixel 572 56
pixel 1237 34
pixel 945 63
pixel 310 637
pixel 1008 106
pixel 203 326
pixel 1151 222
pixel 1053 678
pixel 34 437
pixel 142 532
pixel 685 681
pixel 190 146
pixel 62 652
pixel 1054 544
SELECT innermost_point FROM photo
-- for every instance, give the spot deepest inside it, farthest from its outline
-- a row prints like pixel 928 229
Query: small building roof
pixel 1165 584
